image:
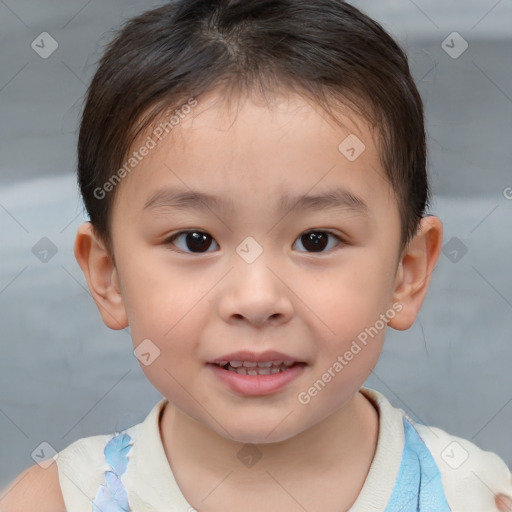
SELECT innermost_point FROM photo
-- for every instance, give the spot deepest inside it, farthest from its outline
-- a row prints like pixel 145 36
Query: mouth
pixel 257 378
pixel 253 368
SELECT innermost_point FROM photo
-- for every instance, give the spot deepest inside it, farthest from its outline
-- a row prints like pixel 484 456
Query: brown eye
pixel 194 241
pixel 317 241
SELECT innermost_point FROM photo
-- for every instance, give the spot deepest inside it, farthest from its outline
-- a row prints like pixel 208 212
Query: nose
pixel 257 294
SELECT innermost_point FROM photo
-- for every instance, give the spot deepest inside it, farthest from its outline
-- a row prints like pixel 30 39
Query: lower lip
pixel 255 385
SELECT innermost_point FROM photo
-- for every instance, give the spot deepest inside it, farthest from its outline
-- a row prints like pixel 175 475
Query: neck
pixel 341 446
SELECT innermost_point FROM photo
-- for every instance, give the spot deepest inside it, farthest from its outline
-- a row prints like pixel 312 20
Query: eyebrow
pixel 179 199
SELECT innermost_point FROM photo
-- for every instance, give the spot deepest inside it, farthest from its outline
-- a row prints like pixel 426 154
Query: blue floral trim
pixel 112 496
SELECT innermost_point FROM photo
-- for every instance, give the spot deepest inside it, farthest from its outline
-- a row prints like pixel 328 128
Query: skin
pixel 198 306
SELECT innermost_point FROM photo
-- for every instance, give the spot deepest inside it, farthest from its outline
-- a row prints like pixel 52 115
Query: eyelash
pixel 170 240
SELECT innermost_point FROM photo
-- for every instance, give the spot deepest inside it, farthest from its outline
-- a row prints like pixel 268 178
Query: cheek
pixel 351 297
pixel 158 298
pixel 171 321
pixel 345 309
pixel 169 308
pixel 173 328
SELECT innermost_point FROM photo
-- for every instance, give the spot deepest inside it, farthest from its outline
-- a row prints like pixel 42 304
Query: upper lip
pixel 247 355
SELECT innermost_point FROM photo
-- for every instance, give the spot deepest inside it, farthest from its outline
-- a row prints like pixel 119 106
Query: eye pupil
pixel 316 240
pixel 195 240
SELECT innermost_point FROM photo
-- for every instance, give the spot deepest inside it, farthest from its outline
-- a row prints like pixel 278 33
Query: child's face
pixel 199 299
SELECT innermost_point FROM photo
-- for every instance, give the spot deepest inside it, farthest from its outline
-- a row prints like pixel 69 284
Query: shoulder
pixel 69 482
pixel 81 468
pixel 34 489
pixel 471 476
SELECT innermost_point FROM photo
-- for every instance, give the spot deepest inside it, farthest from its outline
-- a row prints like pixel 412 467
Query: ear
pixel 101 275
pixel 416 265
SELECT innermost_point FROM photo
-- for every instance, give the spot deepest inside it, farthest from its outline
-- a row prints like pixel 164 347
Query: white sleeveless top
pixel 470 476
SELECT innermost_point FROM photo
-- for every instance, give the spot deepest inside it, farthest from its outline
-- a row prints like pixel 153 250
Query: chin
pixel 258 432
pixel 252 437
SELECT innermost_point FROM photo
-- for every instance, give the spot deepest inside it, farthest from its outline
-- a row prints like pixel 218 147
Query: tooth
pixel 266 364
pixel 241 371
pixel 250 364
pixel 277 363
pixel 288 363
pixel 274 370
pixel 222 363
pixel 235 364
pixel 264 371
pixel 252 372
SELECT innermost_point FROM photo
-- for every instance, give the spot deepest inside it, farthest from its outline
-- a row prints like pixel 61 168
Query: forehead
pixel 255 153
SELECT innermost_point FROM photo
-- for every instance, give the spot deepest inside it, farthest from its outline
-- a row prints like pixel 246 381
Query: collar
pixel 152 487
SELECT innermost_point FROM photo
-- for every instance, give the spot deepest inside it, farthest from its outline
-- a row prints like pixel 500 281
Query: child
pixel 309 200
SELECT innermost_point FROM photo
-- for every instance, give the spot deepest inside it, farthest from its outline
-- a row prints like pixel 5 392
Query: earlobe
pixel 415 270
pixel 101 275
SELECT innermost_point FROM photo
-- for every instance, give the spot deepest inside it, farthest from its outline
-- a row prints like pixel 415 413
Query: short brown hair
pixel 326 50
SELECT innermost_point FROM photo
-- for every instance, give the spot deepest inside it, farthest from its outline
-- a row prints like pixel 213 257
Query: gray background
pixel 64 375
